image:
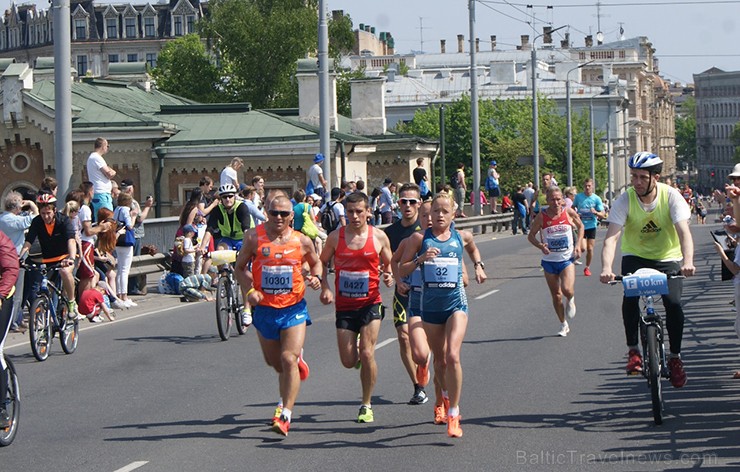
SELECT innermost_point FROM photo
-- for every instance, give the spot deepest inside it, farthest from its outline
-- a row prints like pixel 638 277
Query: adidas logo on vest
pixel 651 227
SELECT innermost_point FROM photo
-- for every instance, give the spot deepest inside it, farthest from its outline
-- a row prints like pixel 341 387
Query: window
pixel 178 26
pixel 130 27
pixel 111 25
pixel 151 59
pixel 81 65
pixel 132 58
pixel 149 30
pixel 81 29
pixel 112 58
pixel 191 21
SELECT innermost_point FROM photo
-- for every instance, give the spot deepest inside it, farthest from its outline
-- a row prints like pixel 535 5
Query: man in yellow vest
pixel 655 219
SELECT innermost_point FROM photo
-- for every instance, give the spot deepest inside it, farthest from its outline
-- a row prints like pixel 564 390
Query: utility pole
pixel 62 96
pixel 324 123
pixel 474 126
pixel 421 34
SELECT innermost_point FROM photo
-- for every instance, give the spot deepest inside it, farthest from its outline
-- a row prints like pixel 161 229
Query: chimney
pixel 442 44
pixel 589 41
pixel 525 42
pixel 547 34
pixel 308 94
pixel 477 44
pixel 460 39
pixel 368 106
pixel 493 42
pixel 565 43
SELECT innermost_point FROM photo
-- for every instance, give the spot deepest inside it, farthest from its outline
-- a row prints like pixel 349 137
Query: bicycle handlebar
pixel 670 275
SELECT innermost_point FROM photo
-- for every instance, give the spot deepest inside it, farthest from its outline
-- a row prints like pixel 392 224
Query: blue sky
pixel 689 36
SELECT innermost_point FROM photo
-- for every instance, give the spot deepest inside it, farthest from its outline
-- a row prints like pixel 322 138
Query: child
pixel 196 288
pixel 92 303
pixel 188 249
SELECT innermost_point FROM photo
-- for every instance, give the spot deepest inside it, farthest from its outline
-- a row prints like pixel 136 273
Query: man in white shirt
pixel 100 175
pixel 229 174
pixel 316 177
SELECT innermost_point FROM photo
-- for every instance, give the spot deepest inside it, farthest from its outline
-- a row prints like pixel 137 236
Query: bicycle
pixel 48 315
pixel 646 284
pixel 229 303
pixel 12 403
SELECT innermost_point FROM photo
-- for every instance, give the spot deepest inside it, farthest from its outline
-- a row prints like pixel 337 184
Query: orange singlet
pixel 277 270
pixel 357 274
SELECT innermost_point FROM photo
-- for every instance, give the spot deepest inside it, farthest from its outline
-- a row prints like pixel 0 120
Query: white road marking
pixel 132 466
pixel 102 325
pixel 479 297
pixel 385 343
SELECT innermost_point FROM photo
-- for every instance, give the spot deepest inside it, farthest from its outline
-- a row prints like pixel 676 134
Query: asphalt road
pixel 158 390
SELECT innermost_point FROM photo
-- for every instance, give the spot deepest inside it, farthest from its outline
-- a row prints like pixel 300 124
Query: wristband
pixel 249 292
pixel 318 277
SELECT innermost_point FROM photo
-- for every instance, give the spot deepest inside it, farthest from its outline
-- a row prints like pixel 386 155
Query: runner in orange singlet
pixel 280 316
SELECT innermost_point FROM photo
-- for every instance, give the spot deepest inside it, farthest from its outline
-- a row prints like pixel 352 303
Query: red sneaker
pixel 634 362
pixel 303 370
pixel 678 375
pixel 453 427
pixel 281 426
pixel 587 272
pixel 422 372
pixel 440 414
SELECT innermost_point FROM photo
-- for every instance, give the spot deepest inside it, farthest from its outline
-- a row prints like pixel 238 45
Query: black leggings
pixel 671 302
pixel 5 313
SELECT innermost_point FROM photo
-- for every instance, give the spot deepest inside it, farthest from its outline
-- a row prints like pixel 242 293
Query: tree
pixel 735 138
pixel 686 132
pixel 185 69
pixel 506 136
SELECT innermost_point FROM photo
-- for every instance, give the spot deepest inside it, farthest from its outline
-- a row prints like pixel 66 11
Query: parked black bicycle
pixel 647 284
pixel 48 314
pixel 11 404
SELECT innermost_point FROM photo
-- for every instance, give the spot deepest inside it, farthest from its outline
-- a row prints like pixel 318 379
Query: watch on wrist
pixel 479 263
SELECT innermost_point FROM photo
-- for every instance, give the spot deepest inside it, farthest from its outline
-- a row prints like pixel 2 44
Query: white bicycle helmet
pixel 644 160
pixel 226 189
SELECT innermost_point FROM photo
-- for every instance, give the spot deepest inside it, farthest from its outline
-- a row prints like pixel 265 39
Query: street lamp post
pixel 569 125
pixel 591 146
pixel 535 110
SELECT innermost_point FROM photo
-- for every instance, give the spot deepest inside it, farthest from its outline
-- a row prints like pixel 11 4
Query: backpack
pixel 454 183
pixel 329 220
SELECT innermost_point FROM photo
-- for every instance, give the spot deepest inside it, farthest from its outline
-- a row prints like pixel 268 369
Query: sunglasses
pixel 282 214
pixel 408 201
pixel 227 196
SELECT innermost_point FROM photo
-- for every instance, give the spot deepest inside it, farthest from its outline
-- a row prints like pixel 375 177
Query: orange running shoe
pixel 422 373
pixel 440 414
pixel 282 425
pixel 453 427
pixel 303 369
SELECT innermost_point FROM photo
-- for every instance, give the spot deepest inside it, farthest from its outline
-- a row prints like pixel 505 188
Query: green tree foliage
pixel 506 135
pixel 184 68
pixel 341 36
pixel 686 132
pixel 735 138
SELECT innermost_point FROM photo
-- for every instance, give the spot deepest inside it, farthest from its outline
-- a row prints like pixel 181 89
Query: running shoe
pixel 587 272
pixel 422 372
pixel 678 375
pixel 246 317
pixel 96 319
pixel 303 369
pixel 634 362
pixel 570 308
pixel 440 414
pixel 365 415
pixel 453 427
pixel 276 415
pixel 117 303
pixel 281 426
pixel 420 396
pixel 577 262
pixel 130 303
pixel 564 329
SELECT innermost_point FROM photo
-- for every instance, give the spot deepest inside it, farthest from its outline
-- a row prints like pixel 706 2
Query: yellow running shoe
pixel 366 415
pixel 281 426
pixel 276 416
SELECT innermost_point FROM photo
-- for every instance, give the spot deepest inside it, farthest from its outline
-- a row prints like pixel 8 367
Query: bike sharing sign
pixel 645 284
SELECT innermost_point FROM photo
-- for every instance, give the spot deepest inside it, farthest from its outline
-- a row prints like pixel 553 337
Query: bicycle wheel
pixel 237 304
pixel 223 314
pixel 12 405
pixel 68 330
pixel 40 328
pixel 656 392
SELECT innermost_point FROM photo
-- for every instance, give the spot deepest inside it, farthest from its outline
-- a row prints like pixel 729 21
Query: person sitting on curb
pixel 92 303
pixel 197 288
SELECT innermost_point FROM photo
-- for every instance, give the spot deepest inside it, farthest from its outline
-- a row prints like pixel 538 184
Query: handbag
pixel 309 227
pixel 127 239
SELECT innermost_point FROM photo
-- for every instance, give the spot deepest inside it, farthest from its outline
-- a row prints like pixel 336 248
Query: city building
pixel 717 114
pixel 620 79
pixel 102 34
